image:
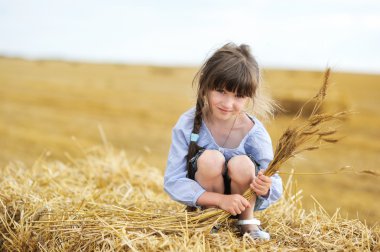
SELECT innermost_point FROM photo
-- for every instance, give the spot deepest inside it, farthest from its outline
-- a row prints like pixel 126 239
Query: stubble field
pixel 56 109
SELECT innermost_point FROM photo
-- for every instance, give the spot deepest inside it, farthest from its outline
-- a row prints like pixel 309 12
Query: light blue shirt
pixel 257 142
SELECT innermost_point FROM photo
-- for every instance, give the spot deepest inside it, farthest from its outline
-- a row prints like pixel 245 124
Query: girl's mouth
pixel 224 110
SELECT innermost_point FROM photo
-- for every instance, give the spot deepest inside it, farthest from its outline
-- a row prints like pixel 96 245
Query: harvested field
pixel 104 202
pixel 60 192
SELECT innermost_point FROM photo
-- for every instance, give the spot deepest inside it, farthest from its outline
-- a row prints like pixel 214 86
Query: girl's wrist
pixel 219 200
pixel 210 199
pixel 267 194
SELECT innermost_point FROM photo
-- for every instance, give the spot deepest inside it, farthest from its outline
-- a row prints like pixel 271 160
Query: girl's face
pixel 225 105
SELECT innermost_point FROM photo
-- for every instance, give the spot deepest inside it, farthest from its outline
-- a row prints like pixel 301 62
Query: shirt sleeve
pixel 176 184
pixel 260 147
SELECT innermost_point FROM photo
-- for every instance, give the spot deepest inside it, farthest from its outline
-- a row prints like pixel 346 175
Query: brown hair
pixel 234 69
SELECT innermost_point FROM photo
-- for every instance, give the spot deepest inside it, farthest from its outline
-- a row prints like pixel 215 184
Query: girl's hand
pixel 234 203
pixel 261 184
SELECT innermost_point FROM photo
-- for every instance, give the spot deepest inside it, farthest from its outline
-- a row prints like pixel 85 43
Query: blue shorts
pixel 226 178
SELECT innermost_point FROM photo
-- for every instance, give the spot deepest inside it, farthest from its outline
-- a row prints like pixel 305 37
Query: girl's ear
pixel 206 107
pixel 205 99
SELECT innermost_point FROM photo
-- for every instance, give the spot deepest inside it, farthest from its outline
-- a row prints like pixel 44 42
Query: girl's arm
pixel 260 147
pixel 234 203
pixel 176 184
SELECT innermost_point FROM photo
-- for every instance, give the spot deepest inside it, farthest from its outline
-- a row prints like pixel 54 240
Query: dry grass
pixel 43 105
pixel 102 202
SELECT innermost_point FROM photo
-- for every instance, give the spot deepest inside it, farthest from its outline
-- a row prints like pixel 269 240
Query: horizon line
pixel 177 65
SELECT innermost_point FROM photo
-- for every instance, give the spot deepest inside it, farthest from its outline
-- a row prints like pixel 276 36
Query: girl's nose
pixel 228 102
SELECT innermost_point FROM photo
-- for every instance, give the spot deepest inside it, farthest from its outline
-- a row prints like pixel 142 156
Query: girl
pixel 218 151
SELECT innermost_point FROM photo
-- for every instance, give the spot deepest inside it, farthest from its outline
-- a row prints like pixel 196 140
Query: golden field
pixel 56 108
pixel 104 202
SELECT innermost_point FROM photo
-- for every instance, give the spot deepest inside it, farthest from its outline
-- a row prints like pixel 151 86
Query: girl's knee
pixel 241 169
pixel 211 163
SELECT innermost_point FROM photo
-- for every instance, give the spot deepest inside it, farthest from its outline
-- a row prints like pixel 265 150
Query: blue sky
pixel 285 34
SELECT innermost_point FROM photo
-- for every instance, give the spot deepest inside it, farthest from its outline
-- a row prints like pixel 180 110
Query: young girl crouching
pixel 218 150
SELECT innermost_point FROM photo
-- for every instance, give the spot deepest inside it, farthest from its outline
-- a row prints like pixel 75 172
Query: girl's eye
pixel 220 91
pixel 239 96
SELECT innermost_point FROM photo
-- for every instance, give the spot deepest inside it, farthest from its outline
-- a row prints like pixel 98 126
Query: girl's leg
pixel 210 168
pixel 241 171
